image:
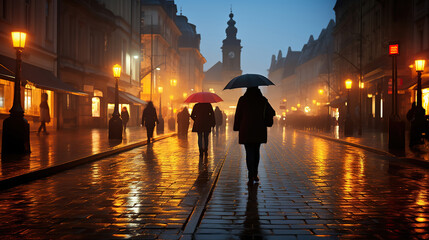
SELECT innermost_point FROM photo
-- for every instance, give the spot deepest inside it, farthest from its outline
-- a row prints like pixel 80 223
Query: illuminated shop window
pixel 96 107
pixel 28 97
pixel 1 96
pixel 425 99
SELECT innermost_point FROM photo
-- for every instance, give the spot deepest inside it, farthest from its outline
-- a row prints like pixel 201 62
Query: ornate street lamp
pixel 420 67
pixel 16 130
pixel 419 122
pixel 115 123
pixel 348 130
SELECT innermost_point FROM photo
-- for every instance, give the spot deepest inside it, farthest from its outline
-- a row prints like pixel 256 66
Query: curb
pixel 200 207
pixel 415 161
pixel 49 171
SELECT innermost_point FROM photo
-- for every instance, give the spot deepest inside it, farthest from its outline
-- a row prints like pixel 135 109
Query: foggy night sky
pixel 264 27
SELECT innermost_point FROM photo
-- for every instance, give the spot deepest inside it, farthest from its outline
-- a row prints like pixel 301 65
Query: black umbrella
pixel 248 80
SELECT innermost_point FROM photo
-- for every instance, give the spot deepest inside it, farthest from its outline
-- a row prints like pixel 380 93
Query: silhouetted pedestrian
pixel 149 119
pixel 416 117
pixel 224 121
pixel 171 124
pixel 183 122
pixel 204 120
pixel 219 120
pixel 252 117
pixel 125 117
pixel 45 117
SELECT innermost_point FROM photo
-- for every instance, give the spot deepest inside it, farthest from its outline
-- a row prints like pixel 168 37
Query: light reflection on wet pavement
pixel 309 187
pixel 63 146
pixel 312 187
pixel 147 192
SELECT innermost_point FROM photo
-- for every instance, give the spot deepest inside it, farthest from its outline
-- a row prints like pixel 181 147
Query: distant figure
pixel 44 114
pixel 224 117
pixel 204 120
pixel 415 116
pixel 252 117
pixel 219 119
pixel 183 122
pixel 149 119
pixel 171 124
pixel 125 117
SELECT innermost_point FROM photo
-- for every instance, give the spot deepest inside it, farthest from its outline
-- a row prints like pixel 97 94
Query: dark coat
pixel 149 117
pixel 218 116
pixel 203 117
pixel 249 117
pixel 125 117
pixel 183 121
pixel 44 112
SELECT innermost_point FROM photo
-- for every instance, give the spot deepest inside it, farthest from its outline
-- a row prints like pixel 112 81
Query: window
pixel 96 107
pixel 68 100
pixel 2 96
pixel 28 97
pixel 3 11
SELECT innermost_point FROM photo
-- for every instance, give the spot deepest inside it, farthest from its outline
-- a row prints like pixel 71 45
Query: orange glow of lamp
pixel 18 39
pixel 420 65
pixel 117 71
pixel 349 84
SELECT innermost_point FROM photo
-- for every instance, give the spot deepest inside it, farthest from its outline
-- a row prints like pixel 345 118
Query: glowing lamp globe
pixel 420 65
pixel 349 84
pixel 18 39
pixel 117 71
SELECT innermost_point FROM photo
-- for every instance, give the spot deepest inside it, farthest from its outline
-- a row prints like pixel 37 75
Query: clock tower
pixel 231 50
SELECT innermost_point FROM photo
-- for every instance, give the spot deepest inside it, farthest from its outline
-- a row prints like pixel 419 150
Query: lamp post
pixel 361 87
pixel 160 126
pixel 420 67
pixel 396 126
pixel 16 130
pixel 115 123
pixel 348 130
pixel 419 119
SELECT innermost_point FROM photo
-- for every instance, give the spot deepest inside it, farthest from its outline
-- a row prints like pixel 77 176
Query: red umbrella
pixel 203 97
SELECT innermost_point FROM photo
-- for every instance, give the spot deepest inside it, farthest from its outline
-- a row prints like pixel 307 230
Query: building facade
pixel 39 59
pixel 172 64
pixel 304 77
pixel 94 36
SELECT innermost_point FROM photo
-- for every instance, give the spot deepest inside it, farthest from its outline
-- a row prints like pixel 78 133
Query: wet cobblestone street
pixel 309 187
pixel 147 192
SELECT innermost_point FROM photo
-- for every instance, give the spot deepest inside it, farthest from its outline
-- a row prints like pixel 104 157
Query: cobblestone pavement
pixel 63 146
pixel 148 192
pixel 309 188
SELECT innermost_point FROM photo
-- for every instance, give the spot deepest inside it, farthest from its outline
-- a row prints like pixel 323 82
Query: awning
pixel 40 77
pixel 125 97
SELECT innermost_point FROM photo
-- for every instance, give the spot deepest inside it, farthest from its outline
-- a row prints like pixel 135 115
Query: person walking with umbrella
pixel 203 117
pixel 252 117
pixel 149 119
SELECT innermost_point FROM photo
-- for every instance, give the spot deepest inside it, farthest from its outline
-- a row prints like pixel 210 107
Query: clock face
pixel 231 54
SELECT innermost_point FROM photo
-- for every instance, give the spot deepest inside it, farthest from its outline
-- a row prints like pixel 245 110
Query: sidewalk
pixel 64 149
pixel 377 141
